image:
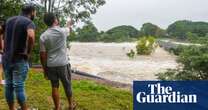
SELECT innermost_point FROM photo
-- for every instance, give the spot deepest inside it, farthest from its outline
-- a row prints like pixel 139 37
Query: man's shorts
pixel 62 73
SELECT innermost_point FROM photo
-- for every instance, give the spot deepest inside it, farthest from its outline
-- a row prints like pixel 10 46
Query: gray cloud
pixel 160 12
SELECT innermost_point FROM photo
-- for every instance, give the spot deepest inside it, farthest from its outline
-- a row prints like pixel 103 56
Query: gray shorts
pixel 62 73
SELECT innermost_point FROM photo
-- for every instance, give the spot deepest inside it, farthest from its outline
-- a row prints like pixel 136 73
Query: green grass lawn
pixel 88 94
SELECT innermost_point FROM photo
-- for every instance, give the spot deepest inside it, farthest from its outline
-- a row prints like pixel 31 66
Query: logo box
pixel 170 95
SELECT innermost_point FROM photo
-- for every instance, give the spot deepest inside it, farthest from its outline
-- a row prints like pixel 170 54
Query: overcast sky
pixel 160 12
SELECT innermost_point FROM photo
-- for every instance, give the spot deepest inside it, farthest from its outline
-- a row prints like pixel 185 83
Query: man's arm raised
pixel 67 30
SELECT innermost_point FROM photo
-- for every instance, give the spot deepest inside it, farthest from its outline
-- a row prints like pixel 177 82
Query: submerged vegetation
pixel 146 45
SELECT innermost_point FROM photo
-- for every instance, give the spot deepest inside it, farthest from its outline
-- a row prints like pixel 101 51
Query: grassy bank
pixel 88 94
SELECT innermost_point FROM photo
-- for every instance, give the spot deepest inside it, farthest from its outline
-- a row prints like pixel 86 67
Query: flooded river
pixel 109 60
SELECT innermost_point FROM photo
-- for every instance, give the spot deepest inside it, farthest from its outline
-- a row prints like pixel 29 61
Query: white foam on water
pixel 109 60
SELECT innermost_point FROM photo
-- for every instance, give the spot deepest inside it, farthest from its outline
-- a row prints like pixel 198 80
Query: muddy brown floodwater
pixel 109 61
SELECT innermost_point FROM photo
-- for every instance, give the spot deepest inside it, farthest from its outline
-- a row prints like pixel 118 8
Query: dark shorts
pixel 63 74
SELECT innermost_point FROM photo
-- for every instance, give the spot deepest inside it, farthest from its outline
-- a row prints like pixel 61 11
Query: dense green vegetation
pixel 120 34
pixel 184 30
pixel 149 29
pixel 193 59
pixel 123 33
pixel 88 95
pixel 145 45
pixel 89 33
pixel 195 32
pixel 9 8
pixel 194 38
pixel 193 62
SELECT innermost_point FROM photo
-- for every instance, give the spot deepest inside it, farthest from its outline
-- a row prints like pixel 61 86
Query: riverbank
pixel 85 92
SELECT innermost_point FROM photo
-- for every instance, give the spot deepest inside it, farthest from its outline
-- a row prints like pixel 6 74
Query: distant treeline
pixel 180 30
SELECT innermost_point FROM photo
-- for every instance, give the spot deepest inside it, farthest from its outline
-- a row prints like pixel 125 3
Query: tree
pixel 88 33
pixel 179 29
pixel 149 29
pixel 9 8
pixel 120 34
pixel 76 9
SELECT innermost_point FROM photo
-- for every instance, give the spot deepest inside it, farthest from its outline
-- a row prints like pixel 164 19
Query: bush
pixel 145 45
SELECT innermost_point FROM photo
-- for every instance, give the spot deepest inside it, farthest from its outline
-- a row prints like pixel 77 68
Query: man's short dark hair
pixel 49 19
pixel 28 9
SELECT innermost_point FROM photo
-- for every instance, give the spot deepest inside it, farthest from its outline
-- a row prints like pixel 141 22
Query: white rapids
pixel 109 60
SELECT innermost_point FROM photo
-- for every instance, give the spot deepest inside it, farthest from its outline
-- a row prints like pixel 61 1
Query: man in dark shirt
pixel 18 43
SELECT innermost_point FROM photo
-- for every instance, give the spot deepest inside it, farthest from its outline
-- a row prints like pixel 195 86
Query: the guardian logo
pixel 164 94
